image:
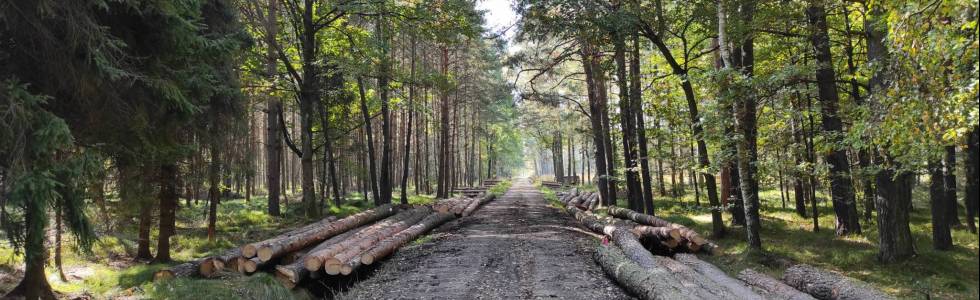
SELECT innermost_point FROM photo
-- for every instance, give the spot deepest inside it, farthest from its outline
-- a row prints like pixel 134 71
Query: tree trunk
pixel 627 118
pixel 892 202
pixel 384 186
pixel 145 224
pixel 34 285
pixel 636 102
pixel 273 107
pixel 442 190
pixel 842 190
pixel 972 178
pixel 949 179
pixel 941 238
pixel 601 94
pixel 168 209
pixel 214 191
pixel 596 122
pixel 58 215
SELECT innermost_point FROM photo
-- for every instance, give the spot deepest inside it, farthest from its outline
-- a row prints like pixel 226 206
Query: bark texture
pixel 826 285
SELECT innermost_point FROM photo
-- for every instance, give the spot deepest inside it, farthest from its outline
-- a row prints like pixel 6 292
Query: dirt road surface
pixel 515 247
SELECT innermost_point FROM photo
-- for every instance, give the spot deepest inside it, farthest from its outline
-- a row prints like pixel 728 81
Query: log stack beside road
pixel 331 246
pixel 656 259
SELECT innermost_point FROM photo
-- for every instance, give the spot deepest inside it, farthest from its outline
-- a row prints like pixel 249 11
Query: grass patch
pixel 551 197
pixel 500 188
pixel 422 239
pixel 940 274
pixel 258 286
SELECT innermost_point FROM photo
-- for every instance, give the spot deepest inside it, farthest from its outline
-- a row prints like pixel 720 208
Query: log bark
pixel 210 266
pixel 771 288
pixel 353 249
pixel 314 261
pixel 292 273
pixel 187 269
pixel 476 204
pixel 738 288
pixel 662 233
pixel 389 245
pixel 645 283
pixel 300 241
pixel 692 279
pixel 826 285
pixel 251 249
pixel 700 243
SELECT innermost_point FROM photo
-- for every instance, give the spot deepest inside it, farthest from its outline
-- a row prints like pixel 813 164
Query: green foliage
pixel 500 188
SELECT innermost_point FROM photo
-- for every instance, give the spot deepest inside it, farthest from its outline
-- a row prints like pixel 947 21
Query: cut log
pixel 354 247
pixel 236 264
pixel 476 204
pixel 251 249
pixel 314 261
pixel 315 235
pixel 662 233
pixel 738 288
pixel 687 233
pixel 770 287
pixel 827 285
pixel 291 274
pixel 643 282
pixel 182 270
pixel 210 267
pixel 389 245
pixel 447 205
pixel 692 279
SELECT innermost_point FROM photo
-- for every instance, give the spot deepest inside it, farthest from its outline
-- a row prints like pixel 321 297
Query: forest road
pixel 515 247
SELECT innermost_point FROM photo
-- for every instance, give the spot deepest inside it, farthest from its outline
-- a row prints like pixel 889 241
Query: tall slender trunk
pixel 799 189
pixel 408 130
pixel 596 122
pixel 168 208
pixel 972 178
pixel 842 190
pixel 273 109
pixel 370 138
pixel 384 186
pixel 443 170
pixel 58 215
pixel 627 119
pixel 214 190
pixel 145 224
pixel 636 102
pixel 949 180
pixel 602 94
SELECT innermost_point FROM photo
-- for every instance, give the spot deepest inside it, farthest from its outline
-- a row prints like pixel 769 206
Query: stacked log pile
pixel 331 246
pixel 652 258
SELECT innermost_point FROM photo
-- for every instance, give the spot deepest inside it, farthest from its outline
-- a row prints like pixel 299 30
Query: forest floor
pixel 515 247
